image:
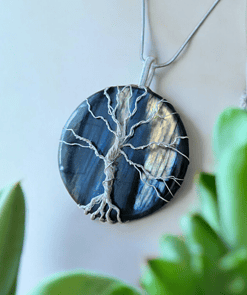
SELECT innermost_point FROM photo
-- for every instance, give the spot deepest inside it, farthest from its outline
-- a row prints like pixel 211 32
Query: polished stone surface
pixel 83 172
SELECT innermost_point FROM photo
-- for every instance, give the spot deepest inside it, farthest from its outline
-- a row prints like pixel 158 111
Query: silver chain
pixel 146 77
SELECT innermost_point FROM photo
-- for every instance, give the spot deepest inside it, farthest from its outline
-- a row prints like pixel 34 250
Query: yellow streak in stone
pixel 159 161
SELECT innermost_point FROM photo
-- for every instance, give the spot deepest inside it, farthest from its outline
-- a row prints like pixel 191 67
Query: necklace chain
pixel 155 65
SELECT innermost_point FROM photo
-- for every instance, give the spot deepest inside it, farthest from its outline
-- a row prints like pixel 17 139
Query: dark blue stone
pixel 83 173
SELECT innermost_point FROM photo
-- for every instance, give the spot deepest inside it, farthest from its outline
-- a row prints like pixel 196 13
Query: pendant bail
pixel 147 72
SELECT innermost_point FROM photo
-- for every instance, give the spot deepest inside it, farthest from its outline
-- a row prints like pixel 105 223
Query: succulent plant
pixel 211 256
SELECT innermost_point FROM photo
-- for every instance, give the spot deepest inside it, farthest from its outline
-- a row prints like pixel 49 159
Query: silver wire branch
pixel 191 35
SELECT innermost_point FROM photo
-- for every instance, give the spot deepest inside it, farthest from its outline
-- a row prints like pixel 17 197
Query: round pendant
pixel 123 153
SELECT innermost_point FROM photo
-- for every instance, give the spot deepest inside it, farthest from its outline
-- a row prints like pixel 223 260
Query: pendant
pixel 123 153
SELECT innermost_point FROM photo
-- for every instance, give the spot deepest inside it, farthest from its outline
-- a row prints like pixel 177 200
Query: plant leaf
pixel 13 288
pixel 230 131
pixel 151 282
pixel 234 266
pixel 169 278
pixel 208 196
pixel 201 236
pixel 12 223
pixel 82 282
pixel 231 179
pixel 236 286
pixel 206 249
pixel 174 249
pixel 234 260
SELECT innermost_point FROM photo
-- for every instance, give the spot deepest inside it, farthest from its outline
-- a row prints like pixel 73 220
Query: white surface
pixel 54 54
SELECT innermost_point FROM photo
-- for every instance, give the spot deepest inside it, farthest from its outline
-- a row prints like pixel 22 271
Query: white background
pixel 53 55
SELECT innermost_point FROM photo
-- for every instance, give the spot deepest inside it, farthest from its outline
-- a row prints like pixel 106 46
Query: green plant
pixel 12 223
pixel 210 257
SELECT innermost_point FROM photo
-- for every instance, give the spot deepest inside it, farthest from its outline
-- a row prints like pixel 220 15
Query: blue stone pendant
pixel 123 153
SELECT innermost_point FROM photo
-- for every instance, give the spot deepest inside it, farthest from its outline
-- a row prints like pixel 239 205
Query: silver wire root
pixel 103 212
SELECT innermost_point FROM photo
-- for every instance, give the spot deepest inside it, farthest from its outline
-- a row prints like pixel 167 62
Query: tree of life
pixel 121 113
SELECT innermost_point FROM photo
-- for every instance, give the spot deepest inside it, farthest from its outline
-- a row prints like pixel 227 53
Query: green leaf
pixel 151 282
pixel 169 278
pixel 230 131
pixel 12 223
pixel 234 266
pixel 231 179
pixel 237 286
pixel 234 260
pixel 174 249
pixel 13 288
pixel 208 196
pixel 82 282
pixel 206 249
pixel 201 237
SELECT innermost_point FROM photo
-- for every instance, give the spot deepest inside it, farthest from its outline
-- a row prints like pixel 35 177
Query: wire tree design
pixel 121 114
